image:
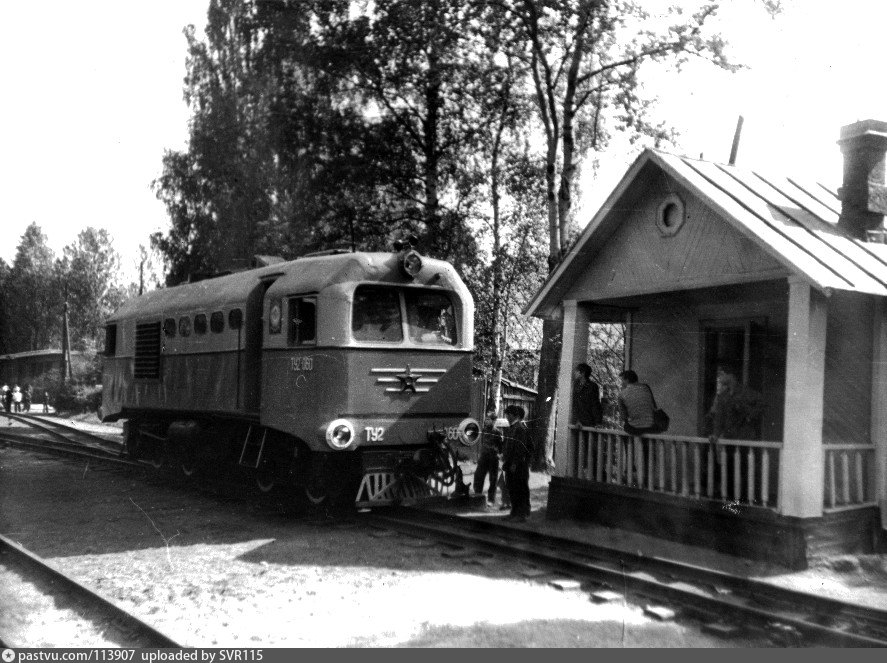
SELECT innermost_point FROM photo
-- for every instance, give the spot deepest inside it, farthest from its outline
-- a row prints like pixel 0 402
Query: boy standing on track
pixel 516 459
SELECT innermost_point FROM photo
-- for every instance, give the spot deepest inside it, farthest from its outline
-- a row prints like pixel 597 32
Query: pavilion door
pixel 755 354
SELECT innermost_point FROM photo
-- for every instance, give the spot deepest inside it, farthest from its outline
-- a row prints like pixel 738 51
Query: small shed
pixel 26 367
pixel 512 392
pixel 785 282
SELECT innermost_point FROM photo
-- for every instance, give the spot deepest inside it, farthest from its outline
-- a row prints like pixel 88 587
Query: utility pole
pixel 67 374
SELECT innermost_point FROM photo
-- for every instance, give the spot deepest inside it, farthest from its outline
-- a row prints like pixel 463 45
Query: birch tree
pixel 584 58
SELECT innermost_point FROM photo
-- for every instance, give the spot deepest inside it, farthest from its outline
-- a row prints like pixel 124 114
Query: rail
pixel 788 616
pixel 849 476
pixel 741 471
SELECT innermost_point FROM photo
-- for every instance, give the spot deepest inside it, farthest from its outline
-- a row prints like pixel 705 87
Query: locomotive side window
pixel 376 314
pixel 430 317
pixel 110 340
pixel 217 322
pixel 302 321
pixel 169 327
pixel 184 326
pixel 200 323
pixel 235 318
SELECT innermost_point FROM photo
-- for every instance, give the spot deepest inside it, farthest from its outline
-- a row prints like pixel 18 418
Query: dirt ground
pixel 209 569
pixel 856 578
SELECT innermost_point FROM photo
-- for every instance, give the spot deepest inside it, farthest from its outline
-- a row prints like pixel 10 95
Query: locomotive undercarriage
pixel 273 461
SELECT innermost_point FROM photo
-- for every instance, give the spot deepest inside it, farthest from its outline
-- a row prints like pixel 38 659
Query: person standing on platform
pixel 488 462
pixel 6 393
pixel 26 398
pixel 45 401
pixel 736 412
pixel 17 398
pixel 518 451
pixel 587 409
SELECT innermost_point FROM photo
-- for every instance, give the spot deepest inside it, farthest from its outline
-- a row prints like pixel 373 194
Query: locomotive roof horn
pixel 408 242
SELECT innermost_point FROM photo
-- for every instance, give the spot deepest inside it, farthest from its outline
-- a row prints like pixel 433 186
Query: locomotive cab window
pixel 200 323
pixel 376 314
pixel 110 340
pixel 184 326
pixel 302 321
pixel 430 317
pixel 169 327
pixel 235 318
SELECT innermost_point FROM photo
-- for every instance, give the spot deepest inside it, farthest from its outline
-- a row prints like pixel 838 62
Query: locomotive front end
pixel 380 391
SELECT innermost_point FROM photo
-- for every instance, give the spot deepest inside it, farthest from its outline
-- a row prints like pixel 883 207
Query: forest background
pixel 316 125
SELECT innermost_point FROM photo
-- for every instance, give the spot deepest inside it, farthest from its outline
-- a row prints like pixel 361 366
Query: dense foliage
pixel 325 123
pixel 40 289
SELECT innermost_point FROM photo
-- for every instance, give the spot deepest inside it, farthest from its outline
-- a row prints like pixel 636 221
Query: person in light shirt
pixel 636 404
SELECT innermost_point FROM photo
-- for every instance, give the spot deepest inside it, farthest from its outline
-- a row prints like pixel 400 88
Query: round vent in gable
pixel 670 215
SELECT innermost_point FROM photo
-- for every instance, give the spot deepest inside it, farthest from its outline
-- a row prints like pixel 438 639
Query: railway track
pixel 69 450
pixel 788 616
pixel 93 611
pixel 66 433
pixel 60 439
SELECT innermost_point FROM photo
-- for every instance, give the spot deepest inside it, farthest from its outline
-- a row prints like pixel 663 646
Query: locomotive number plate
pixel 374 433
pixel 301 363
pixel 453 433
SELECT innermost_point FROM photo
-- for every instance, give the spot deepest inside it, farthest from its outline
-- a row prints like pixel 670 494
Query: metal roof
pixel 209 294
pixel 306 274
pixel 795 222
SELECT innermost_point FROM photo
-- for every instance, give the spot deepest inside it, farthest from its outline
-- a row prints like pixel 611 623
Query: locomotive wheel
pixel 316 494
pixel 187 461
pixel 266 481
pixel 155 459
pixel 153 453
pixel 188 468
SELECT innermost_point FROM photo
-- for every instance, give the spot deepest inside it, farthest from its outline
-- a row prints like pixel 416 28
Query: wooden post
pixel 879 406
pixel 573 351
pixel 801 466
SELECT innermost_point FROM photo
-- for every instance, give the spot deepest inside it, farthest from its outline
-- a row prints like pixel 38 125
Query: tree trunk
pixel 499 338
pixel 430 147
pixel 554 236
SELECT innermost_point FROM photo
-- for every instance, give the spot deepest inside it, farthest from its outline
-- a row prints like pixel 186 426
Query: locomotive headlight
pixel 340 434
pixel 469 432
pixel 412 263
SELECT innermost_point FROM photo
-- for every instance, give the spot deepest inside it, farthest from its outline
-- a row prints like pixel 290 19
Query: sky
pixel 92 96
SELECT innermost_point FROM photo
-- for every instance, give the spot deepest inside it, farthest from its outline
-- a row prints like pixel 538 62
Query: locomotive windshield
pixel 377 316
pixel 430 317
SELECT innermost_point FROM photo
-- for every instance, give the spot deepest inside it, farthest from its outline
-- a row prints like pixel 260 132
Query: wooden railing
pixel 739 471
pixel 849 476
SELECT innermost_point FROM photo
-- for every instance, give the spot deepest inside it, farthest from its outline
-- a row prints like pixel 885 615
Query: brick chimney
pixel 863 193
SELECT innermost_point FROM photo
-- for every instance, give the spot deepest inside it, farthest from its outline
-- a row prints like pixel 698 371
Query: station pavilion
pixel 785 282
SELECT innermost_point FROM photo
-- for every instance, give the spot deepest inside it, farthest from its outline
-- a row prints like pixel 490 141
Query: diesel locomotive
pixel 345 376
